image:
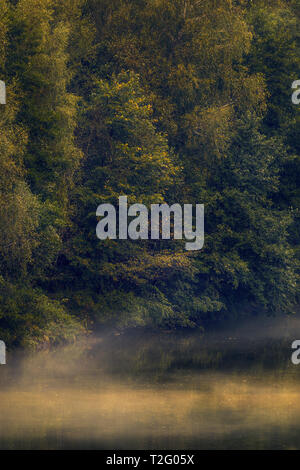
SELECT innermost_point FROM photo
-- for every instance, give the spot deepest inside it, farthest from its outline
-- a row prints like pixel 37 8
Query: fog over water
pixel 234 388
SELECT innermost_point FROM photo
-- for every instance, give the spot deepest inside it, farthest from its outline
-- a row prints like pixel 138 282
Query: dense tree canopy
pixel 175 101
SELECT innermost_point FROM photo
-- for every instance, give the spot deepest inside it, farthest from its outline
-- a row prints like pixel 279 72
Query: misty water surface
pixel 233 389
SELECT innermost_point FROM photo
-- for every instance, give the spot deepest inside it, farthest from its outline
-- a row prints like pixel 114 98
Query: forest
pixel 164 101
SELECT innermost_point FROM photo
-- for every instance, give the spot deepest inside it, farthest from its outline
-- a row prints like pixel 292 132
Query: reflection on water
pixel 234 389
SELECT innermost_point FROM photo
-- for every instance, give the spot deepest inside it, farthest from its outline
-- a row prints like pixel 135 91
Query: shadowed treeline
pixel 175 101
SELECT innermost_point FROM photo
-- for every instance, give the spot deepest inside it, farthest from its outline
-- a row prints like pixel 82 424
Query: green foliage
pixel 31 319
pixel 250 256
pixel 121 144
pixel 163 101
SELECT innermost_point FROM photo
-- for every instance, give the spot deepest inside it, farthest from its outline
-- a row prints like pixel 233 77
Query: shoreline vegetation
pixel 165 101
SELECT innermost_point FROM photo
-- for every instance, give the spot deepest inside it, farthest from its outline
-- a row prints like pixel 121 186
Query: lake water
pixel 232 389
